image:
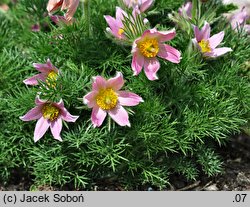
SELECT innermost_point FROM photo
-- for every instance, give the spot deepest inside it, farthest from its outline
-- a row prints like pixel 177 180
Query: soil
pixel 236 175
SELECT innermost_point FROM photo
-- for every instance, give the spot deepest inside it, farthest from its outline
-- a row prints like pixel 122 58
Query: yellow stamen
pixel 107 99
pixel 120 31
pixel 205 46
pixel 50 112
pixel 149 47
pixel 51 78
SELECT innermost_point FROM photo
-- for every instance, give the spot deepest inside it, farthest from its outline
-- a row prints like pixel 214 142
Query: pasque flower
pixel 116 26
pixel 206 44
pixel 147 47
pixel 60 19
pixel 35 28
pixel 49 114
pixel 69 5
pixel 239 20
pixel 126 27
pixel 186 10
pixel 142 5
pixel 107 98
pixel 48 73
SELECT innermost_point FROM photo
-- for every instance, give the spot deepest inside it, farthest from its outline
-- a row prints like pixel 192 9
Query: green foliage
pixel 193 108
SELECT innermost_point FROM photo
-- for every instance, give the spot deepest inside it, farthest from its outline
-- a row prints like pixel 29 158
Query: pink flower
pixel 70 5
pixel 116 27
pixel 147 47
pixel 239 20
pixel 106 98
pixel 247 28
pixel 35 28
pixel 207 44
pixel 59 19
pixel 125 27
pixel 143 5
pixel 48 73
pixel 4 7
pixel 186 10
pixel 48 115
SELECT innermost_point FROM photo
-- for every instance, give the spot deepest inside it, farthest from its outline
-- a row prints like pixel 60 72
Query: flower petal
pixel 60 104
pixel 186 10
pixel 216 39
pixel 195 43
pixel 145 5
pixel 39 101
pixel 71 6
pixel 97 117
pixel 56 128
pixel 120 13
pixel 127 2
pixel 247 28
pixel 33 80
pixel 128 99
pixel 218 52
pixel 137 62
pixel 60 20
pixel 116 83
pixel 54 5
pixel 169 53
pixel 239 18
pixel 113 24
pixel 33 114
pixel 89 99
pixel 120 116
pixel 110 20
pixel 98 83
pixel 197 33
pixel 66 116
pixel 43 68
pixel 204 33
pixel 151 66
pixel 166 35
pixel 136 12
pixel 42 126
pixel 152 33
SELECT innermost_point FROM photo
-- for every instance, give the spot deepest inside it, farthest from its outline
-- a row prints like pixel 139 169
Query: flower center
pixel 149 47
pixel 120 31
pixel 51 78
pixel 205 46
pixel 107 99
pixel 50 112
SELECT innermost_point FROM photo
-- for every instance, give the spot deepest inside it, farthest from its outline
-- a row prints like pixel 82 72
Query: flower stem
pixel 194 10
pixel 199 12
pixel 86 13
pixel 109 123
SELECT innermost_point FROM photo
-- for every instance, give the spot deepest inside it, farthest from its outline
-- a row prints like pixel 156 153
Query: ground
pixel 235 177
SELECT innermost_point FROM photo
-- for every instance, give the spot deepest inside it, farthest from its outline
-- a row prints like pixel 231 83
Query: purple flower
pixel 206 44
pixel 60 19
pixel 239 20
pixel 186 10
pixel 147 47
pixel 48 73
pixel 106 98
pixel 35 28
pixel 69 5
pixel 142 5
pixel 124 27
pixel 49 114
pixel 116 27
